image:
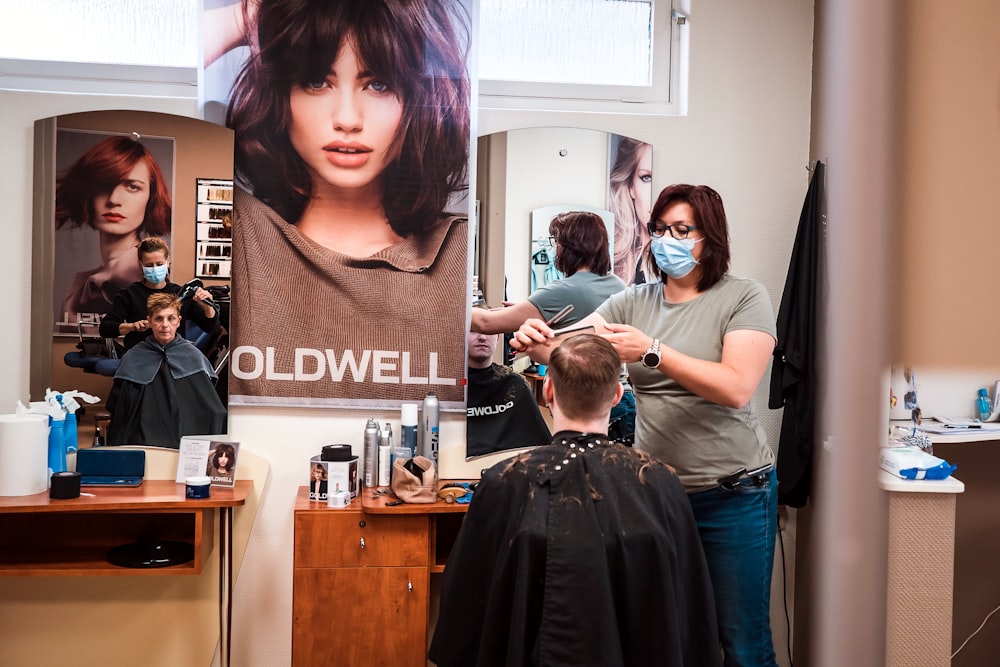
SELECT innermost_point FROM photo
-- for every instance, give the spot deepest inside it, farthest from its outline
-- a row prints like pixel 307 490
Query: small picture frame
pixel 214 458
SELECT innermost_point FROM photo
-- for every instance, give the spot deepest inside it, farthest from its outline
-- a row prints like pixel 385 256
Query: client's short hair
pixel 162 301
pixel 584 371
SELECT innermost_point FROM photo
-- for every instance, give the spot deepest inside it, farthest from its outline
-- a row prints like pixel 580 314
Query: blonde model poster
pixel 350 253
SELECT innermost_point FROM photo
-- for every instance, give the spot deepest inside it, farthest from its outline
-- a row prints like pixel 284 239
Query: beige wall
pixel 747 135
pixel 950 139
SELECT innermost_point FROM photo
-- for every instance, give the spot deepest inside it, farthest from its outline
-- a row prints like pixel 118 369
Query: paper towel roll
pixel 24 452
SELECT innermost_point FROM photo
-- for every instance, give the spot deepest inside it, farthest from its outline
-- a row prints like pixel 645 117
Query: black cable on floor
pixel 784 596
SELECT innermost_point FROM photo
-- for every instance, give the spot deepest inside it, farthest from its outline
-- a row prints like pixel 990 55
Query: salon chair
pixel 95 354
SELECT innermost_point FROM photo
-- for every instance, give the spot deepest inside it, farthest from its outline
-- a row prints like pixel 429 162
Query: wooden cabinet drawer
pixel 338 538
pixel 360 616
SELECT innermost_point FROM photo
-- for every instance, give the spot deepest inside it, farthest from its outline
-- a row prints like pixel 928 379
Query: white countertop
pixel 890 482
pixel 959 435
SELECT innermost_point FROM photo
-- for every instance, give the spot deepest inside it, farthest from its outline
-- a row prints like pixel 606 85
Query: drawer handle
pixel 362 543
pixel 409 586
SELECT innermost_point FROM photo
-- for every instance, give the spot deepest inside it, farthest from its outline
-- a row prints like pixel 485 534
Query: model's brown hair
pixel 584 371
pixel 99 171
pixel 583 243
pixel 709 218
pixel 416 46
pixel 230 453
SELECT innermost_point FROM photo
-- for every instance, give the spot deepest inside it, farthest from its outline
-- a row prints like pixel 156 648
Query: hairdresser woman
pixel 128 315
pixel 697 343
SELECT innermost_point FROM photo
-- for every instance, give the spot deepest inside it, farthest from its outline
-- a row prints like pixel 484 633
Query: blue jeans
pixel 622 420
pixel 738 529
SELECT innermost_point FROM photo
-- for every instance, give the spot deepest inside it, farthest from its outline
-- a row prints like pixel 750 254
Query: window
pixel 594 55
pixel 101 46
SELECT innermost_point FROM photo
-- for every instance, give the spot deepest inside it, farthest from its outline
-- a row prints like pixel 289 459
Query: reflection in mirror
pixel 525 177
pixel 104 181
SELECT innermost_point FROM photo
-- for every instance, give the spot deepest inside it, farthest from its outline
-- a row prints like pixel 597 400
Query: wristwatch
pixel 651 358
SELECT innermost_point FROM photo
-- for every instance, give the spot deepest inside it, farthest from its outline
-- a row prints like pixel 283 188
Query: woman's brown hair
pixel 582 240
pixel 412 45
pixel 709 218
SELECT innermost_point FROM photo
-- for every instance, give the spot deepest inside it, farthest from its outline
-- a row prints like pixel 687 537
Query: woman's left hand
pixel 200 295
pixel 630 343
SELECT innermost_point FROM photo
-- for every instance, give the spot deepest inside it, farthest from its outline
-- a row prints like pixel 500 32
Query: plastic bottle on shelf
pixel 408 428
pixel 983 405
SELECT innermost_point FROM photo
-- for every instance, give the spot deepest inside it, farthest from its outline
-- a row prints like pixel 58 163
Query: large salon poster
pixel 112 190
pixel 630 199
pixel 351 240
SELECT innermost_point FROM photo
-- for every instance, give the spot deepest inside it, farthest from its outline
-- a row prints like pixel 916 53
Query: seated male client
pixel 163 388
pixel 501 411
pixel 580 552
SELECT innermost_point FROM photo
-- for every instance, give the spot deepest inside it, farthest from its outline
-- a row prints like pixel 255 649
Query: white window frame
pixel 666 96
pixel 98 78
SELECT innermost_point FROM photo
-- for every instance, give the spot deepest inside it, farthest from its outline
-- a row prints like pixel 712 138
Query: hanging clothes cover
pixel 794 381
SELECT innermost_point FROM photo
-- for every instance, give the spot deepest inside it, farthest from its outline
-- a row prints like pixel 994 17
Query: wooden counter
pixel 40 536
pixel 361 582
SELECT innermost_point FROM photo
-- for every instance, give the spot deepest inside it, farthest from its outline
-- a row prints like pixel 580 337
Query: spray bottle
pixel 408 428
pixel 385 456
pixel 371 454
pixel 430 426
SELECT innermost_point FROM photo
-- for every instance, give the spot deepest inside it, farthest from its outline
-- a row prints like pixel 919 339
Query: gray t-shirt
pixel 701 439
pixel 585 290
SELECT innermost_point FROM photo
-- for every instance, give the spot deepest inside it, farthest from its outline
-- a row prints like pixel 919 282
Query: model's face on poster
pixel 343 127
pixel 122 210
pixel 642 184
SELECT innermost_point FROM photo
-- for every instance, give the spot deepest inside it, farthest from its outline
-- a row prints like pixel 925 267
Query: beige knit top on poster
pixel 313 327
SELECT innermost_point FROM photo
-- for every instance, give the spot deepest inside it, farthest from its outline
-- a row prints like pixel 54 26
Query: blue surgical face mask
pixel 155 274
pixel 674 256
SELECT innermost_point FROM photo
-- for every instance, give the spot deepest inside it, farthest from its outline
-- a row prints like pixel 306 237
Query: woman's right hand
pixel 140 325
pixel 532 333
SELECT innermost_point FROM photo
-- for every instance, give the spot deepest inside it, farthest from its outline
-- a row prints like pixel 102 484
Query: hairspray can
pixel 385 456
pixel 430 426
pixel 371 454
pixel 408 428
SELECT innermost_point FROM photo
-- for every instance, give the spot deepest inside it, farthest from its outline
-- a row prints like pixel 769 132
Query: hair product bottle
pixel 371 441
pixel 429 430
pixel 408 428
pixel 385 456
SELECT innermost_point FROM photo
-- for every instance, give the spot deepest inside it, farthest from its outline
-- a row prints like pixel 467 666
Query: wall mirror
pixel 79 267
pixel 522 171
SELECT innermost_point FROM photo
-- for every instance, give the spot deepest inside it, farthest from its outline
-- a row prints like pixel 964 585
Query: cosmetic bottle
pixel 385 456
pixel 408 428
pixel 983 405
pixel 371 443
pixel 430 426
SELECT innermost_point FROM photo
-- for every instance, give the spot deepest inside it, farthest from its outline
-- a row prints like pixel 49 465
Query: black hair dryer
pixel 190 287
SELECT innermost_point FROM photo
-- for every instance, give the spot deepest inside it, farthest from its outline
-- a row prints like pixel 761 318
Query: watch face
pixel 651 359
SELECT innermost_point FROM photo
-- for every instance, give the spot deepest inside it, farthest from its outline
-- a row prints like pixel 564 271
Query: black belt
pixel 744 477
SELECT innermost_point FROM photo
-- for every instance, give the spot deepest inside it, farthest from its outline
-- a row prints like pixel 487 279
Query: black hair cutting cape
pixel 161 393
pixel 592 559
